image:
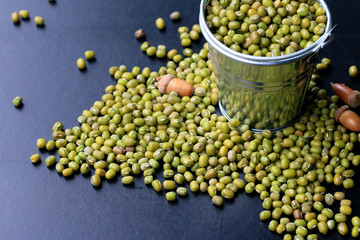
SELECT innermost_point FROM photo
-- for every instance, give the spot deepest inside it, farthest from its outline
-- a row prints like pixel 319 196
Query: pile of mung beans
pixel 266 28
pixel 180 143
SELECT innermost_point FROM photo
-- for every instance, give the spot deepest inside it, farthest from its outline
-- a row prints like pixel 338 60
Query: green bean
pixel 273 225
pixel 85 168
pixel 339 196
pixel 67 172
pixel 302 231
pixel 171 196
pixel 160 23
pixel 17 101
pixel 194 186
pixel 80 62
pixel 59 167
pixel 50 161
pixel 156 185
pixel 355 232
pixel 110 174
pixel 355 221
pixel 35 158
pixel 340 217
pixel 181 191
pixel 95 180
pixel 265 215
pixel 113 70
pixel 217 200
pixel 346 210
pixel 15 17
pixel 39 21
pixel 323 227
pixel 24 14
pixel 127 180
pixel 89 55
pixel 353 71
pixel 74 166
pixel 41 143
pixel 342 228
pixel 175 16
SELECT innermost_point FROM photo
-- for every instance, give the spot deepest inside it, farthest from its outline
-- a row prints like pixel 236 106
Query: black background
pixel 39 64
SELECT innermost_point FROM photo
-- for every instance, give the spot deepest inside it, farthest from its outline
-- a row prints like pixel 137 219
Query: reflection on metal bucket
pixel 263 92
pixel 270 103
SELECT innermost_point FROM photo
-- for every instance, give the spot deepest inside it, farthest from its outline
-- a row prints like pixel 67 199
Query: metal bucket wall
pixel 263 92
pixel 262 96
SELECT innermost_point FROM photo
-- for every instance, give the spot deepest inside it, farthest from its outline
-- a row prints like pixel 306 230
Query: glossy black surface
pixel 39 64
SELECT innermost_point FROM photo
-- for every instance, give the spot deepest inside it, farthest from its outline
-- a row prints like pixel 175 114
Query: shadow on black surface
pixel 25 19
pixel 131 185
pixel 355 79
pixel 83 70
pixel 141 40
pixel 17 24
pixel 21 106
pixel 42 26
pixel 87 175
pixel 92 60
pixel 113 180
pixel 69 178
pixel 98 188
pixel 37 163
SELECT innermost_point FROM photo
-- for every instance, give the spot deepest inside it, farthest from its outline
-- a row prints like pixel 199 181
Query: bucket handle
pixel 329 38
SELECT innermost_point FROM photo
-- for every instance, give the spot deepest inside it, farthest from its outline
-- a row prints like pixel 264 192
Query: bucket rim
pixel 256 60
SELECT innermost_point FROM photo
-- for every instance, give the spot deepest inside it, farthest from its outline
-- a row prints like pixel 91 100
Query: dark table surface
pixel 39 64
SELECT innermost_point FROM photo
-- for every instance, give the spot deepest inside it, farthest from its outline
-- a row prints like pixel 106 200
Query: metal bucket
pixel 263 92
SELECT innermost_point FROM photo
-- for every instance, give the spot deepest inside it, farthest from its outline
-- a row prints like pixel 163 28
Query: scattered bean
pixel 39 21
pixel 139 34
pixel 160 23
pixel 175 16
pixel 89 55
pixel 17 101
pixel 35 158
pixel 81 63
pixel 24 14
pixel 15 17
pixel 353 71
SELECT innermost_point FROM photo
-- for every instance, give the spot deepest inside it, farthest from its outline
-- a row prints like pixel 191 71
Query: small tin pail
pixel 263 92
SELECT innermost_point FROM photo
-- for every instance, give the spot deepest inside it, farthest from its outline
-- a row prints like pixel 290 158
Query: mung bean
pixel 35 158
pixel 217 200
pixel 342 228
pixel 59 167
pixel 95 180
pixel 50 161
pixel 175 16
pixel 353 71
pixel 171 196
pixel 89 55
pixel 127 180
pixel 156 184
pixel 39 21
pixel 160 23
pixel 15 17
pixel 80 62
pixel 24 14
pixel 67 172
